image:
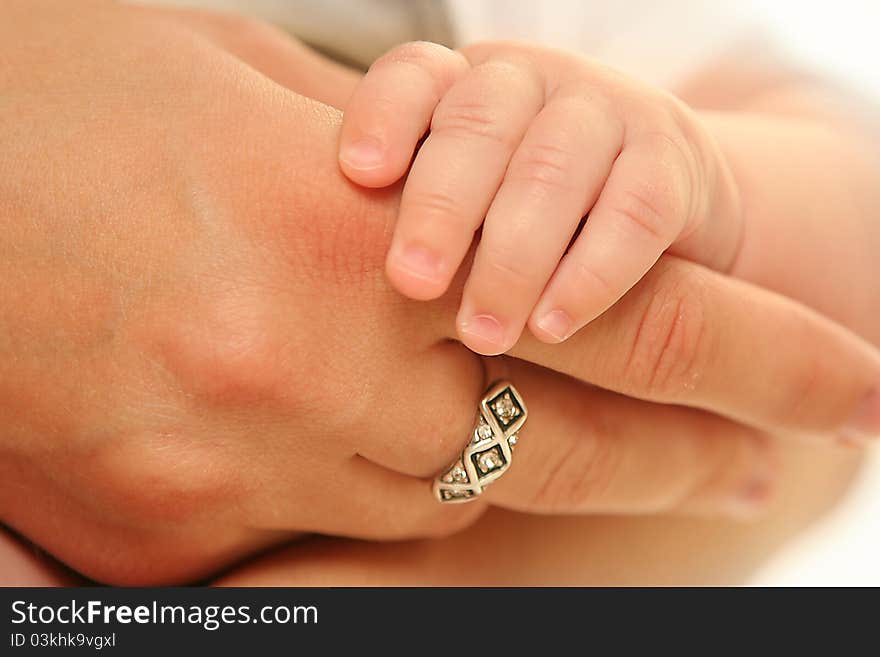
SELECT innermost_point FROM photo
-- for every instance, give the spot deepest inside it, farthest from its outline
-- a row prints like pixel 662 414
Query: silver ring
pixel 489 451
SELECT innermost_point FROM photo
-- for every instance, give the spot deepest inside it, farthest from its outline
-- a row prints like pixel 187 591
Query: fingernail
pixel 485 328
pixel 556 324
pixel 750 500
pixel 420 262
pixel 865 422
pixel 365 153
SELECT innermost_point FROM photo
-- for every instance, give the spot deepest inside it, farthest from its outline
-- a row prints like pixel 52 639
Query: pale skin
pixel 522 142
pixel 183 263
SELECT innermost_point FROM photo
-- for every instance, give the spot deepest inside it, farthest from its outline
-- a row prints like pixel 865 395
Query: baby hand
pixel 526 142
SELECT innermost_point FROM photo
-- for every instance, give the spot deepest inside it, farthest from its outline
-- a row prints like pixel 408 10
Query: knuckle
pixel 470 120
pixel 678 163
pixel 516 68
pixel 503 263
pixel 585 279
pixel 646 209
pixel 226 352
pixel 436 203
pixel 670 346
pixel 439 62
pixel 478 107
pixel 544 166
pixel 423 54
pixel 580 99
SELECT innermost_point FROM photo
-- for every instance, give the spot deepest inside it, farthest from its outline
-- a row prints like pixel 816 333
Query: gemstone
pixel 488 461
pixel 505 409
pixel 513 440
pixel 458 474
pixel 483 432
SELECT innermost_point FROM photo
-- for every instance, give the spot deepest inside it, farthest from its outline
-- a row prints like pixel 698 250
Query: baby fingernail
pixel 556 324
pixel 865 421
pixel 420 262
pixel 486 329
pixel 365 153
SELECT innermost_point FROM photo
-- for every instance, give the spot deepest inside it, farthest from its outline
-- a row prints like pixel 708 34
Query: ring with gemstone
pixel 489 451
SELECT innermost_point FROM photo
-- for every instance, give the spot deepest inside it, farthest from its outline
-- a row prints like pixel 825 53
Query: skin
pixel 23 565
pixel 513 549
pixel 509 548
pixel 181 386
pixel 523 141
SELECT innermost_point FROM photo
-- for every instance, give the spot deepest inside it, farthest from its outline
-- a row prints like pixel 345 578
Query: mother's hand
pixel 200 356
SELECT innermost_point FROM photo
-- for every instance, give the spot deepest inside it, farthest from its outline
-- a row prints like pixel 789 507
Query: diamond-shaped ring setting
pixel 489 452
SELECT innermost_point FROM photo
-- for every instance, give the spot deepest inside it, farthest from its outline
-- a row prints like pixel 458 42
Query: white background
pixel 842 37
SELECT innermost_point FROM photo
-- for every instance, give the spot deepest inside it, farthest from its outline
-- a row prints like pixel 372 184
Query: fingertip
pixel 414 287
pixel 363 153
pixel 483 334
pixel 417 273
pixel 365 161
pixel 574 297
pixel 552 327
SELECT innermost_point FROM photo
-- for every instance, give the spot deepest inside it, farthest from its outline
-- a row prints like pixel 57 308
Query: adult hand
pixel 201 358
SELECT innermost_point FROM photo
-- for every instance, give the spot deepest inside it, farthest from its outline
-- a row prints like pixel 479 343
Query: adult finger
pixel 585 450
pixel 386 441
pixel 690 336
